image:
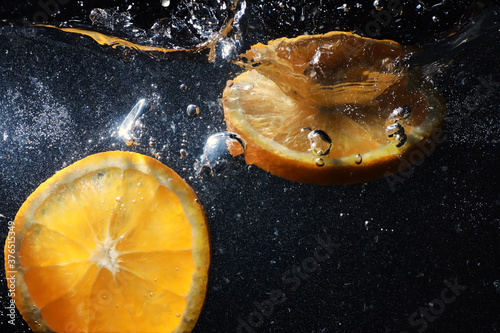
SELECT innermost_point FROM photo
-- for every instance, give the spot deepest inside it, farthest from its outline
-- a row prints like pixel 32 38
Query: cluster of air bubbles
pixel 394 125
pixel 222 153
pixel 320 144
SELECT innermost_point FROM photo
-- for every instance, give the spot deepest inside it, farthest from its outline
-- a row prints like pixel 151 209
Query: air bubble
pixel 320 142
pixel 400 139
pixel 394 129
pixel 192 110
pixel 399 115
pixel 320 162
pixel 396 134
pixel 222 153
pixel 183 153
pixel 358 159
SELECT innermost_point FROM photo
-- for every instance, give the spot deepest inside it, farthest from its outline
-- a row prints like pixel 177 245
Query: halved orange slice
pixel 116 242
pixel 332 109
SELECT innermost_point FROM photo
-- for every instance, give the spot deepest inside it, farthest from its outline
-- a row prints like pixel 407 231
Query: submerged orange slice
pixel 319 109
pixel 116 242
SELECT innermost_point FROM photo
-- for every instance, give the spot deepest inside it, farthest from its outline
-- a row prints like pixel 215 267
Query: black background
pixel 395 243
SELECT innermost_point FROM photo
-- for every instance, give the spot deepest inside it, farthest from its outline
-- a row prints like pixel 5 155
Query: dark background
pixel 395 243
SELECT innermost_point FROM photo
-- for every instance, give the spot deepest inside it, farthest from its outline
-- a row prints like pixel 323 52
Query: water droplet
pixel 103 296
pixel 192 110
pixel 177 314
pixel 183 153
pixel 151 294
pixel 156 279
pixel 165 3
pixel 117 306
pixel 435 19
pixel 320 162
pixel 358 159
pixel 118 199
pixel 222 153
pixel 183 87
pixel 139 184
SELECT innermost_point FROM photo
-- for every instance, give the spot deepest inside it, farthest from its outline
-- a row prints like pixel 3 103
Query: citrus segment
pixel 341 84
pixel 116 242
pixel 67 275
pixel 175 277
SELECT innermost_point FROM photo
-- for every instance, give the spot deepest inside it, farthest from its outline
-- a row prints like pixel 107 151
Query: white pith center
pixel 106 255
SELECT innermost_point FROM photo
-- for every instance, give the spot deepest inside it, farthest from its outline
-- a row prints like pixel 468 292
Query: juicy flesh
pixel 353 128
pixel 102 247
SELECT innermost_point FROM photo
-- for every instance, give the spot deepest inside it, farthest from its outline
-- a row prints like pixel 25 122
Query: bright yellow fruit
pixel 116 242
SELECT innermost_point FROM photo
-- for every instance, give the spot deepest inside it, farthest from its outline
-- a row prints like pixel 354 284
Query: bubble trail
pixel 127 126
pixel 394 125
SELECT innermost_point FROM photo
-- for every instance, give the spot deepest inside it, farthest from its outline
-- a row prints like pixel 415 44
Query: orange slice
pixel 301 94
pixel 116 242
